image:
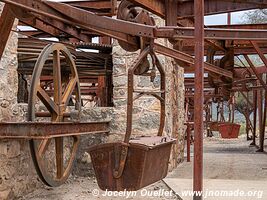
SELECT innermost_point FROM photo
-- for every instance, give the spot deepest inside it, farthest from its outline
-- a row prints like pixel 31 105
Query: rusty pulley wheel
pixel 54 86
pixel 128 11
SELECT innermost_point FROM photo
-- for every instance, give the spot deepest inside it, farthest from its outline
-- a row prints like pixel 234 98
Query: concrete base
pixel 216 188
pixel 230 166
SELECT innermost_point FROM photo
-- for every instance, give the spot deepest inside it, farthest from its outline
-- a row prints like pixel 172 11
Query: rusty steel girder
pixel 117 28
pixel 185 8
pixel 48 130
pixel 6 24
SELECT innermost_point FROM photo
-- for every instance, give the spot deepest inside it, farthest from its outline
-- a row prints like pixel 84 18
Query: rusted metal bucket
pixel 214 126
pixel 134 163
pixel 229 130
pixel 146 162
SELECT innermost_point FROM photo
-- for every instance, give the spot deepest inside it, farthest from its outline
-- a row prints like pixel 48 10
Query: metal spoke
pixel 43 147
pixel 59 157
pixel 47 101
pixel 57 77
pixel 68 91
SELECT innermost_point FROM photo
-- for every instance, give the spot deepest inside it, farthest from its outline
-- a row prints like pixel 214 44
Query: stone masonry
pixel 16 174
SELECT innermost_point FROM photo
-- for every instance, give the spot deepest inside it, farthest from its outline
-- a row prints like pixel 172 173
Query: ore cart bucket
pixel 146 162
pixel 135 163
pixel 229 130
pixel 214 126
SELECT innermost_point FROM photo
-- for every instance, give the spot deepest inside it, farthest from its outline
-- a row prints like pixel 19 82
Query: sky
pixel 220 19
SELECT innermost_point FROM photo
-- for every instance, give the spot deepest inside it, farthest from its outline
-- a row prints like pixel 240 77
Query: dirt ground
pixel 229 166
pixel 231 159
pixel 223 159
pixel 80 188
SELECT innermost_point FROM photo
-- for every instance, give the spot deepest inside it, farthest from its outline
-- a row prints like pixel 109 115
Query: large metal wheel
pixel 129 12
pixel 53 158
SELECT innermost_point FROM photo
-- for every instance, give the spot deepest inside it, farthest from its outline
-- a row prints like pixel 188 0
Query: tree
pixel 255 16
pixel 242 106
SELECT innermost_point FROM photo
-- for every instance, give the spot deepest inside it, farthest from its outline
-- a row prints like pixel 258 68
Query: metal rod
pixel 233 107
pixel 247 116
pixel 229 18
pixel 254 69
pixel 260 114
pixel 188 142
pixel 199 97
pixel 254 117
pixel 263 122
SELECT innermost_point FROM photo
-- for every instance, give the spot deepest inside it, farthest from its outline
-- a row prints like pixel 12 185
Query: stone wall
pixel 16 174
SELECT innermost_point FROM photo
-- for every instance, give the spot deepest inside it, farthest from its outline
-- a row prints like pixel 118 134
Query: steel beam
pixel 189 60
pixel 198 98
pixel 40 25
pixel 6 23
pixel 156 7
pixel 258 50
pixel 255 97
pixel 259 77
pixel 211 33
pixel 238 49
pixel 91 4
pixel 171 12
pixel 44 10
pixel 186 9
pixel 120 29
pixel 72 31
pixel 46 130
pixel 262 121
pixel 188 140
pixel 260 98
pixel 247 99
pixel 240 26
pixel 262 134
pixel 86 17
